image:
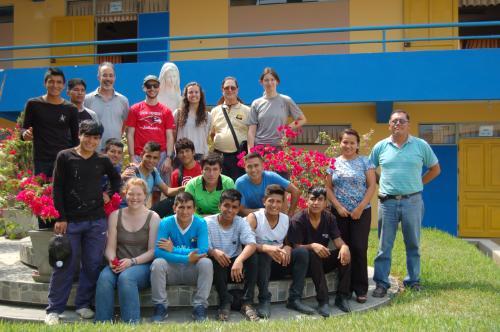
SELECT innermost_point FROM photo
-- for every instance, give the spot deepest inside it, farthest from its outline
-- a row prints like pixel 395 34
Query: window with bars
pixel 450 133
pixel 310 133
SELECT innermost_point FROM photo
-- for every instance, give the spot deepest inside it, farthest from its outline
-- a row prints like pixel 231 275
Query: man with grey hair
pixel 110 106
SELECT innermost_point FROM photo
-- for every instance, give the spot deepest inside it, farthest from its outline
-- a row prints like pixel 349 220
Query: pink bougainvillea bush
pixel 36 195
pixel 305 167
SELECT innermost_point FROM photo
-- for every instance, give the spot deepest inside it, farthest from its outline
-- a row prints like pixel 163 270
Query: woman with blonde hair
pixel 129 252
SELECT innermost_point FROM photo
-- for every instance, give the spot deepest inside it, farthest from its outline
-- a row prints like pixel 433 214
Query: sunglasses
pixel 230 87
pixel 401 121
pixel 152 85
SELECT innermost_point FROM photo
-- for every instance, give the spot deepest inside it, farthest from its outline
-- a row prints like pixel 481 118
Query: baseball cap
pixel 59 251
pixel 150 78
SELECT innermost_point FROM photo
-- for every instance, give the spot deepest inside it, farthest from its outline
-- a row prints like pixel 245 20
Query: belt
pixel 384 197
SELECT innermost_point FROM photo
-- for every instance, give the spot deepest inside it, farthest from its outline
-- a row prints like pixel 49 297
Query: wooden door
pixel 66 29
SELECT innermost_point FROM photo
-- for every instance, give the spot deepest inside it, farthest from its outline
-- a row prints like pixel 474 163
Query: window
pixel 438 133
pixel 268 2
pixel 7 14
pixel 490 129
pixel 310 133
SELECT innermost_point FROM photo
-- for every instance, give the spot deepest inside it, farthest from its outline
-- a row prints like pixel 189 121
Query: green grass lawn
pixel 462 292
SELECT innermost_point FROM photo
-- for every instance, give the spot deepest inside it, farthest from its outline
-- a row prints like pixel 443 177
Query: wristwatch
pixel 134 261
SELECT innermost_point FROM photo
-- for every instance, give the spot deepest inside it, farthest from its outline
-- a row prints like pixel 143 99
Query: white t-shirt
pixel 264 234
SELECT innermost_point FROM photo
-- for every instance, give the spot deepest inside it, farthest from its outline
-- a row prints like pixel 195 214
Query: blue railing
pixel 383 40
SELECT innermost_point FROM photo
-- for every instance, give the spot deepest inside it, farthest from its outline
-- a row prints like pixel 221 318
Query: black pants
pixel 223 274
pixel 230 165
pixel 165 207
pixel 269 269
pixel 355 235
pixel 318 267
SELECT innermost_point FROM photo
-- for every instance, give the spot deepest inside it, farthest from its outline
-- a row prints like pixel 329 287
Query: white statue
pixel 170 91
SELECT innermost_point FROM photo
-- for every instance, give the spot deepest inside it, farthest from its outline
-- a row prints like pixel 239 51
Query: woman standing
pixel 192 121
pixel 270 111
pixel 350 189
pixel 129 251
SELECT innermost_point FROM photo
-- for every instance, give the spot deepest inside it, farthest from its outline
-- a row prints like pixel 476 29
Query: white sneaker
pixel 52 318
pixel 85 313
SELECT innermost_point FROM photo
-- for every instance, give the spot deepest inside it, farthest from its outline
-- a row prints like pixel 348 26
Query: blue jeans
pixel 409 212
pixel 129 282
pixel 88 239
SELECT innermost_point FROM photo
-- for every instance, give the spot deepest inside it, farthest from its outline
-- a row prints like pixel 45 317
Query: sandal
pixel 223 314
pixel 249 312
pixel 361 298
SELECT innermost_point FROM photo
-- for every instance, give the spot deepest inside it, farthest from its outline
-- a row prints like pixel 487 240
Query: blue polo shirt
pixel 402 167
pixel 252 194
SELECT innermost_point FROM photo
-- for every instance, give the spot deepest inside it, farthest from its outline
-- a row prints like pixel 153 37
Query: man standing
pixel 227 234
pixel 76 92
pixel 223 136
pixel 401 157
pixel 47 121
pixel 208 187
pixel 150 120
pixel 313 229
pixel 110 106
pixel 181 258
pixel 78 199
pixel 252 185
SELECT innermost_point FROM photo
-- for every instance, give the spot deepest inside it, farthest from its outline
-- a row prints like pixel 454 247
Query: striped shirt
pixel 229 240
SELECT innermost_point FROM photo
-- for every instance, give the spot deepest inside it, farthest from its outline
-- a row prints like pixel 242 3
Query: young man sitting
pixel 181 258
pixel 312 229
pixel 253 185
pixel 189 167
pixel 147 171
pixel 276 259
pixel 227 233
pixel 208 187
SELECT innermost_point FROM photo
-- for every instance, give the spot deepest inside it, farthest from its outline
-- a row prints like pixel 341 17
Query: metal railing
pixel 383 40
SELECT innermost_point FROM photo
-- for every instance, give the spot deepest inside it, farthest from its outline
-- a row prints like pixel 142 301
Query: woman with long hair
pixel 270 111
pixel 192 120
pixel 350 189
pixel 129 252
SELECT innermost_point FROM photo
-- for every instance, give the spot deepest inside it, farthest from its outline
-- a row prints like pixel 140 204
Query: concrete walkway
pixel 11 269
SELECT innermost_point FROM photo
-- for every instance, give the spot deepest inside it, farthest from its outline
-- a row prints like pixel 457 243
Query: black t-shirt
pixel 78 186
pixel 84 115
pixel 51 124
pixel 302 232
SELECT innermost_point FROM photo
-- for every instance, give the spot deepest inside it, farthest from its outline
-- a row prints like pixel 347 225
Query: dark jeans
pixel 355 235
pixel 46 168
pixel 88 238
pixel 318 267
pixel 223 274
pixel 230 165
pixel 269 269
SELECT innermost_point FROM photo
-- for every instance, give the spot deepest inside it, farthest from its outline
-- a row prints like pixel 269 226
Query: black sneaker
pixel 161 312
pixel 416 287
pixel 342 303
pixel 324 309
pixel 300 307
pixel 199 313
pixel 264 310
pixel 379 291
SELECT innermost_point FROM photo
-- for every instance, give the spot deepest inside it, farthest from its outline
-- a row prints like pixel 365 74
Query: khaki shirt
pixel 238 115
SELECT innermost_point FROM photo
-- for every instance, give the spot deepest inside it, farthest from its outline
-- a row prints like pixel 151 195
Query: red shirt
pixel 187 174
pixel 150 123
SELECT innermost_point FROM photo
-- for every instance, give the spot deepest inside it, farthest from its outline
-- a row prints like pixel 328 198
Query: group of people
pixel 217 223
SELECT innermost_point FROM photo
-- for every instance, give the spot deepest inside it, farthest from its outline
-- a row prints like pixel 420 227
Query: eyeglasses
pixel 230 87
pixel 152 85
pixel 400 121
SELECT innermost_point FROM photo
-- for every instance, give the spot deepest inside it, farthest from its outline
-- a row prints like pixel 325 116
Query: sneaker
pixel 199 313
pixel 324 309
pixel 264 310
pixel 161 312
pixel 379 291
pixel 52 318
pixel 300 307
pixel 249 312
pixel 85 313
pixel 342 303
pixel 416 287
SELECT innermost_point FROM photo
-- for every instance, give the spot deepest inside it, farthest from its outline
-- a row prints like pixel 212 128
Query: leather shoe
pixel 264 310
pixel 379 291
pixel 342 303
pixel 300 307
pixel 324 310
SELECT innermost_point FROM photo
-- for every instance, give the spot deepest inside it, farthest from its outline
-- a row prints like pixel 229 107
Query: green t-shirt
pixel 208 202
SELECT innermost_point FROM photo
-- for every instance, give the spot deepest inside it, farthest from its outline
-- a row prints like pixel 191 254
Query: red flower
pixel 12 152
